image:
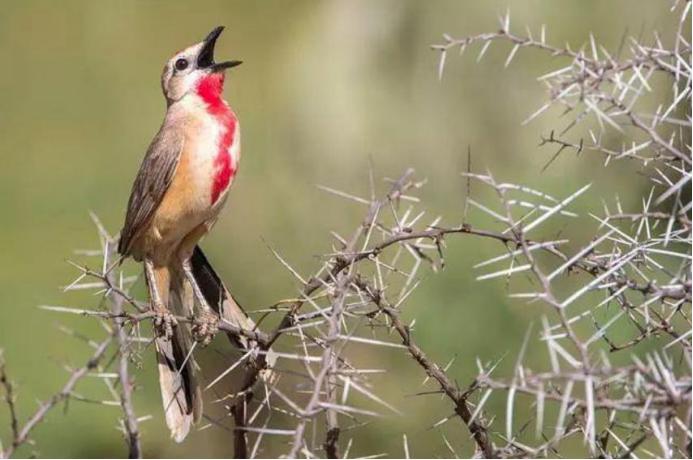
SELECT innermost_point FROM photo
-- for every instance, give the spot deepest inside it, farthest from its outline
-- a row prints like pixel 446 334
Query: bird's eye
pixel 181 64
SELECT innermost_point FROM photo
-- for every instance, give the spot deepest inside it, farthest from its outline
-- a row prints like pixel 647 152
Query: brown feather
pixel 220 299
pixel 180 392
pixel 153 180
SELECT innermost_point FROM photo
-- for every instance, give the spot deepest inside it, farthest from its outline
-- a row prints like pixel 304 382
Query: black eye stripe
pixel 181 64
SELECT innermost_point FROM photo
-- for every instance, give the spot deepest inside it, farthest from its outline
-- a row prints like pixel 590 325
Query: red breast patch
pixel 210 89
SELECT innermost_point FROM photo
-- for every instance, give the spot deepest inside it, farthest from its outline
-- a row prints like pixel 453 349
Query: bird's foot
pixel 164 321
pixel 205 327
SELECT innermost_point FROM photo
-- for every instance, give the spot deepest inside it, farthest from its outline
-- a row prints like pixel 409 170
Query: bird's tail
pixel 220 299
pixel 180 392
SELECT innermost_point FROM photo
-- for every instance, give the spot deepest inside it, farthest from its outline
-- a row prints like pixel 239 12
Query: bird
pixel 176 197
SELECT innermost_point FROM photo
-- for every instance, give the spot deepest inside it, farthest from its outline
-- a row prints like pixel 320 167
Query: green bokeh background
pixel 325 87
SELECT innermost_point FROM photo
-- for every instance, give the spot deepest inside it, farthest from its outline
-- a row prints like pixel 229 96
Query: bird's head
pixel 188 68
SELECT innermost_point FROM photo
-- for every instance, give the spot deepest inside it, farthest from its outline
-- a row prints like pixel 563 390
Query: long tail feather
pixel 180 392
pixel 220 299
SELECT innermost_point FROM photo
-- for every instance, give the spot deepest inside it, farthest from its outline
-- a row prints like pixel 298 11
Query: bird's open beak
pixel 205 59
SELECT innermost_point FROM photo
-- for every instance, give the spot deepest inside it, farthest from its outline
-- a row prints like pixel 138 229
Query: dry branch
pixel 634 271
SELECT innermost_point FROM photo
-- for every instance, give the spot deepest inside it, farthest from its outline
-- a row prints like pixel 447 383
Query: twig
pixel 476 427
pixel 129 417
pixel 9 398
pixel 327 361
pixel 45 407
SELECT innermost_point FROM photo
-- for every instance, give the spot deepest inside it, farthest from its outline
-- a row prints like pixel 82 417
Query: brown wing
pixel 152 181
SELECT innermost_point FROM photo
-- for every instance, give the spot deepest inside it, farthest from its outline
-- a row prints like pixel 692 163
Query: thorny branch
pixel 9 398
pixel 21 435
pixel 327 365
pixel 130 422
pixel 628 285
pixel 476 425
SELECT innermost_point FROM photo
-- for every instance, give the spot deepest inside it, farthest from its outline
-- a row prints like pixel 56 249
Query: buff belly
pixel 186 212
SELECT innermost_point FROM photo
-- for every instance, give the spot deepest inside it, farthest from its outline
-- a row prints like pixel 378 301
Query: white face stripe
pixel 192 75
pixel 179 83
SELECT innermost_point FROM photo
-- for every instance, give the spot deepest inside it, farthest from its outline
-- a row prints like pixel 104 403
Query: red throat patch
pixel 210 90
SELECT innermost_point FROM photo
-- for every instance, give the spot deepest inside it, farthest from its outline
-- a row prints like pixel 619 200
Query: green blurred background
pixel 325 87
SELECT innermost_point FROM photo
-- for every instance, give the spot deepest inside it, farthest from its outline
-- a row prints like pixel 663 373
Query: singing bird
pixel 181 186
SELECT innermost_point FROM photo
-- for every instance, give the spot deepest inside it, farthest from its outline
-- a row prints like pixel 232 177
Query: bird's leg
pixel 163 319
pixel 206 322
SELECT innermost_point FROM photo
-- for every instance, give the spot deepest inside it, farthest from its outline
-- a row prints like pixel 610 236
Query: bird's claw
pixel 164 322
pixel 205 327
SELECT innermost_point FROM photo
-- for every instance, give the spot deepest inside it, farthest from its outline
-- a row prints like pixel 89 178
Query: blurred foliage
pixel 326 87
